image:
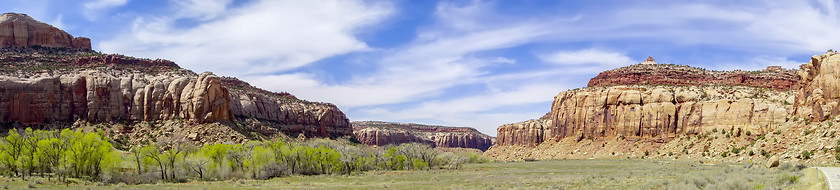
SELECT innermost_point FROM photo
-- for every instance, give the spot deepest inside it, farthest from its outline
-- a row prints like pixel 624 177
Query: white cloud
pixel 758 63
pixel 96 8
pixel 58 22
pixel 265 36
pixel 587 56
pixel 201 9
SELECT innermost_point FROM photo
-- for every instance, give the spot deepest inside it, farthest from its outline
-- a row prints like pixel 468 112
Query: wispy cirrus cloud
pixel 94 9
pixel 260 37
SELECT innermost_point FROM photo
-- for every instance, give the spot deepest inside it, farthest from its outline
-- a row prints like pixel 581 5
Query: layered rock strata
pixel 819 96
pixel 651 112
pixel 384 133
pixel 22 31
pixel 100 97
pixel 289 114
pixel 666 74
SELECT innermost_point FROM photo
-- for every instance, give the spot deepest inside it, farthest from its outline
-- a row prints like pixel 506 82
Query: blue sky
pixel 461 63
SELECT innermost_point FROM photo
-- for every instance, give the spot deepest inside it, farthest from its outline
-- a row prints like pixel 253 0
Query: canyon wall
pixel 660 102
pixel 651 112
pixel 385 133
pixel 287 113
pixel 100 97
pixel 22 31
pixel 773 77
pixel 819 95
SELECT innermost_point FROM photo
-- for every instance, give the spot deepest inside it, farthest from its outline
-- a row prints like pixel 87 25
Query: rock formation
pixel 59 85
pixel 289 114
pixel 101 97
pixel 649 61
pixel 666 74
pixel 651 111
pixel 527 133
pixel 384 133
pixel 819 95
pixel 22 31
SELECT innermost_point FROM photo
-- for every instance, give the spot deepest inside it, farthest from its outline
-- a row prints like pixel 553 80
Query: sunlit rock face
pixel 385 133
pixel 22 31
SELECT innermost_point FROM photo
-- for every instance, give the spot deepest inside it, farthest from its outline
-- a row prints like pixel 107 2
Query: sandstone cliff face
pixel 101 97
pixel 384 133
pixel 651 111
pixel 20 30
pixel 665 74
pixel 819 95
pixel 291 114
pixel 527 133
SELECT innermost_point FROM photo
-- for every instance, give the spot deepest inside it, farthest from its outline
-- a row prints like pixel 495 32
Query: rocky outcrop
pixel 819 95
pixel 527 133
pixel 681 75
pixel 101 97
pixel 21 31
pixel 293 115
pixel 384 133
pixel 651 112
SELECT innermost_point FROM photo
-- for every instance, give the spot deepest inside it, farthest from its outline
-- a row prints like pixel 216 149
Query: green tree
pixel 51 151
pixel 199 163
pixel 171 156
pixel 260 157
pixel 152 154
pixel 11 149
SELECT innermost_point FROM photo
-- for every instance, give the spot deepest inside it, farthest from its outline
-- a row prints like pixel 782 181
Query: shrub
pixel 749 133
pixel 751 153
pixel 736 150
pixel 647 153
pixel 806 154
pixel 724 154
pixel 837 156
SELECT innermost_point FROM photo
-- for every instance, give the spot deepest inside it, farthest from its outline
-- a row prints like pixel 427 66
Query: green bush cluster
pixel 91 156
pixel 67 153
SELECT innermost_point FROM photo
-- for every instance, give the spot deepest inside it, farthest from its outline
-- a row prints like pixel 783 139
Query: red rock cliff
pixel 665 74
pixel 20 30
pixel 661 101
pixel 384 133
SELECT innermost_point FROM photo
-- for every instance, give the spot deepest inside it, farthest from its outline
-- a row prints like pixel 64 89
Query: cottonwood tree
pixel 11 149
pixel 137 157
pixel 198 163
pixel 152 153
pixel 52 153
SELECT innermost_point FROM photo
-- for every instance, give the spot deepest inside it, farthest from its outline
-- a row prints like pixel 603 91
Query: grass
pixel 562 174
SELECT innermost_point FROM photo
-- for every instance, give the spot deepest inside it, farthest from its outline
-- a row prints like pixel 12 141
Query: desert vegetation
pixel 556 174
pixel 67 156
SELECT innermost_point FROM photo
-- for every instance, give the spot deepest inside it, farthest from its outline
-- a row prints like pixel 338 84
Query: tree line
pixel 91 156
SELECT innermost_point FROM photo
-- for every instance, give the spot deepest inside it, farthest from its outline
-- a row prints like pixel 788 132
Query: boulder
pixel 772 162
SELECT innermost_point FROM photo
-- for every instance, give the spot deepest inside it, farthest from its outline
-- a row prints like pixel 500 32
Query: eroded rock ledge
pixel 681 75
pixel 22 31
pixel 384 133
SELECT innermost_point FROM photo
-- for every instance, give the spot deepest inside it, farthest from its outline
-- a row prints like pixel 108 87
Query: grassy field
pixel 562 174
